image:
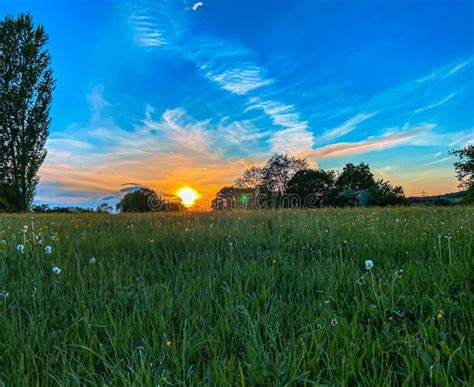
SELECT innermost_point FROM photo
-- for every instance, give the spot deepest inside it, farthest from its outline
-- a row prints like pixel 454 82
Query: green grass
pixel 244 298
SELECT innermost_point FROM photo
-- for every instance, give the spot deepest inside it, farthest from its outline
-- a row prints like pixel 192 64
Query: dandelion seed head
pixel 369 264
pixel 56 270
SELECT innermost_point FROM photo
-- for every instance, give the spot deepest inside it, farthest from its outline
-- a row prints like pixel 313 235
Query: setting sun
pixel 188 196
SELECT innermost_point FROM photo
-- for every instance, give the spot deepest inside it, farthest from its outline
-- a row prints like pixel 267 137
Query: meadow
pixel 238 298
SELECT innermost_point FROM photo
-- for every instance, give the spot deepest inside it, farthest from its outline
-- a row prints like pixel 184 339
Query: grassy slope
pixel 239 298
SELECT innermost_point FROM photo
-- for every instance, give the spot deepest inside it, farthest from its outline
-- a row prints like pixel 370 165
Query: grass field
pixel 245 298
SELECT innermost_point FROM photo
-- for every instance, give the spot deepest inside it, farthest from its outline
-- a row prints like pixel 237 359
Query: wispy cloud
pixel 197 5
pixel 295 137
pixel 151 23
pixel 146 31
pixel 413 136
pixel 458 67
pixel 345 128
pixel 437 161
pixel 240 80
pixel 436 104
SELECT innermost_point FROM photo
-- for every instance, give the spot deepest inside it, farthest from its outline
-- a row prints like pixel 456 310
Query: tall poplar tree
pixel 26 85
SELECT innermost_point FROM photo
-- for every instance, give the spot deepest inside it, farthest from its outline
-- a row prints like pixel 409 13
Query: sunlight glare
pixel 188 196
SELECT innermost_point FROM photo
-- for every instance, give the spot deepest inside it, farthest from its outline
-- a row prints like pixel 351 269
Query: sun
pixel 188 196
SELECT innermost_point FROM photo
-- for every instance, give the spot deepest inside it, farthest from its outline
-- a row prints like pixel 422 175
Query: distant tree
pixel 40 208
pixel 26 85
pixel 141 200
pixel 251 179
pixel 352 185
pixel 229 198
pixel 172 207
pixel 356 185
pixel 44 208
pixel 146 200
pixel 271 181
pixel 355 177
pixel 465 171
pixel 104 208
pixel 311 187
pixel 465 166
pixel 385 194
pixel 274 175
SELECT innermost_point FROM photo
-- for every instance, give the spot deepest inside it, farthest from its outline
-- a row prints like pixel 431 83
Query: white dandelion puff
pixel 56 270
pixel 48 249
pixel 92 260
pixel 369 264
pixel 20 248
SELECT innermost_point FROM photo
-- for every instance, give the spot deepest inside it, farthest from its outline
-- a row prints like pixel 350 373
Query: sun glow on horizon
pixel 188 196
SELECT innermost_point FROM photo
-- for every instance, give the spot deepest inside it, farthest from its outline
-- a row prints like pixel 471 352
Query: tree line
pixel 288 182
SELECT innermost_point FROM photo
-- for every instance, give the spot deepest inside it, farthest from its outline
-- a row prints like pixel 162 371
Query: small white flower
pixel 92 260
pixel 48 249
pixel 4 294
pixel 20 248
pixel 333 322
pixel 25 228
pixel 369 264
pixel 56 270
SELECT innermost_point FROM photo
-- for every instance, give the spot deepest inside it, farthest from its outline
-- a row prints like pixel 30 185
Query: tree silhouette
pixel 465 166
pixel 314 184
pixel 465 171
pixel 26 85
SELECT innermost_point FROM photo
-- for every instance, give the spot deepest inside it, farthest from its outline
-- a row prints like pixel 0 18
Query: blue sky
pixel 174 92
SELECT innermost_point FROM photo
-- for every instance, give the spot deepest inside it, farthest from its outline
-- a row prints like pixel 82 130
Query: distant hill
pixel 448 199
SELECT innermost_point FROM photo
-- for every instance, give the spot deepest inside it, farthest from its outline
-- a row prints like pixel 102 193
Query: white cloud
pixel 437 161
pixel 418 135
pixel 197 5
pixel 295 137
pixel 240 80
pixel 458 67
pixel 345 128
pixel 436 104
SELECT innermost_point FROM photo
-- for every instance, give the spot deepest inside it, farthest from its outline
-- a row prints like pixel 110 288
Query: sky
pixel 173 93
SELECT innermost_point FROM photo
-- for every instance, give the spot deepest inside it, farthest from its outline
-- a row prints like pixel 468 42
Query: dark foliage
pixel 311 187
pixel 233 197
pixel 465 171
pixel 26 85
pixel 286 182
pixel 146 200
